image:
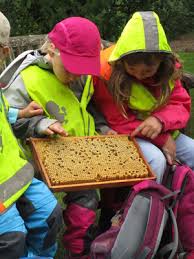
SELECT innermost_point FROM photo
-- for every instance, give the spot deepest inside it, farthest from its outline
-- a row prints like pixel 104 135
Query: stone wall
pixel 21 43
pixel 186 45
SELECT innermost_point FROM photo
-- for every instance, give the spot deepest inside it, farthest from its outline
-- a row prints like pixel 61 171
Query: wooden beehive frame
pixel 101 178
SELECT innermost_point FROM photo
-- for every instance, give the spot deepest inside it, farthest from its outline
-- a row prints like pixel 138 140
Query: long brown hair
pixel 120 81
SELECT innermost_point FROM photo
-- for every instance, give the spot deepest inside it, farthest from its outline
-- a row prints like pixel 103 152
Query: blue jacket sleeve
pixel 12 115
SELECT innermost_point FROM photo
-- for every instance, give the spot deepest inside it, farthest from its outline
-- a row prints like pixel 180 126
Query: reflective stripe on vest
pixel 15 183
pixel 16 173
pixel 58 100
pixel 151 35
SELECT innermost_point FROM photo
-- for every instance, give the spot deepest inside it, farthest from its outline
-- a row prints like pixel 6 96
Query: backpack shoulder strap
pixel 11 69
pixel 173 246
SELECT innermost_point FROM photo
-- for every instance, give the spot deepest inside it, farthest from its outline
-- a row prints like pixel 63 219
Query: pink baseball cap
pixel 78 41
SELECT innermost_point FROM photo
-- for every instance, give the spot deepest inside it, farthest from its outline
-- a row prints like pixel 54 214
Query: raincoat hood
pixel 142 33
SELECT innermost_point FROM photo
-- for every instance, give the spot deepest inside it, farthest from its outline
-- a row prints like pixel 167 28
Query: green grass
pixel 188 62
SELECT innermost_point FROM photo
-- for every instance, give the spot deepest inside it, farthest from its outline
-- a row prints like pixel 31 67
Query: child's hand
pixel 150 128
pixel 169 150
pixel 55 128
pixel 33 109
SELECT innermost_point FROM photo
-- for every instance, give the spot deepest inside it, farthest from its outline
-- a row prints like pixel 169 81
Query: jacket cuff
pixel 160 120
pixel 43 125
pixel 103 129
pixel 12 115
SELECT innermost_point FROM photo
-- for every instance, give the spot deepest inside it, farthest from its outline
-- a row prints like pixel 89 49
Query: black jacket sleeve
pixel 25 127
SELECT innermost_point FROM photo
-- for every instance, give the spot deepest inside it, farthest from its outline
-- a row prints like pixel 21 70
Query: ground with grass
pixel 188 62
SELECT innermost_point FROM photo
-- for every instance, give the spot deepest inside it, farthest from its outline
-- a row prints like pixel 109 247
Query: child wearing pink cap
pixel 59 78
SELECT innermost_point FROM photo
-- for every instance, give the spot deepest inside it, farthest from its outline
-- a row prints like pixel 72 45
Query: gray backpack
pixel 137 228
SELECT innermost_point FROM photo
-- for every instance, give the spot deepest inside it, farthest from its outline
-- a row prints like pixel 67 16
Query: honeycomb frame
pixel 112 170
